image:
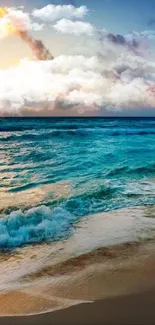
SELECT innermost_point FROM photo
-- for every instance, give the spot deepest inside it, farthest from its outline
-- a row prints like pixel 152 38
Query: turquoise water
pixel 108 163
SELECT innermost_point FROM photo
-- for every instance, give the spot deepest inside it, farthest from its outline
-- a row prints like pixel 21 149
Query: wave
pixel 39 136
pixel 71 132
pixel 86 201
pixel 36 225
pixel 132 132
pixel 139 170
pixel 44 223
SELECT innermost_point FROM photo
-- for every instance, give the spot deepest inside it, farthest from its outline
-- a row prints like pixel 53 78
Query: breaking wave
pixel 34 226
pixel 109 164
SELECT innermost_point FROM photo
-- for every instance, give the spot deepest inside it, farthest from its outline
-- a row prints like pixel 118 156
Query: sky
pixel 103 58
pixel 118 16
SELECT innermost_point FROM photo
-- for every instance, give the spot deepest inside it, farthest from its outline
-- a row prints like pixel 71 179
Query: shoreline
pixel 84 271
pixel 129 309
pixel 105 273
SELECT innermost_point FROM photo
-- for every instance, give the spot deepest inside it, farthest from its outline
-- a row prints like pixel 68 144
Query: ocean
pixel 56 173
pixel 102 163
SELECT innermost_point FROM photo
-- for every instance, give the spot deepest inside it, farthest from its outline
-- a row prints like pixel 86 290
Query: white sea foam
pixel 43 223
pixel 34 226
pixel 100 230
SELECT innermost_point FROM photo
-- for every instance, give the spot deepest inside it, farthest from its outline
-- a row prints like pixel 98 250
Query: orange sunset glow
pixel 6 28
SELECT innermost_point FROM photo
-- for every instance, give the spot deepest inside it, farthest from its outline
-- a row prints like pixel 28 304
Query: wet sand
pixel 130 309
pixel 123 293
pixel 114 284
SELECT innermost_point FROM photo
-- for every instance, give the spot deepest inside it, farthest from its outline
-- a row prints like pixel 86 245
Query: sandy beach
pixel 102 274
pixel 121 294
pixel 77 162
pixel 130 309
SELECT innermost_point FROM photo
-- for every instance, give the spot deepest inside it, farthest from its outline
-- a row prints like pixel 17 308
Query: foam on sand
pixel 41 224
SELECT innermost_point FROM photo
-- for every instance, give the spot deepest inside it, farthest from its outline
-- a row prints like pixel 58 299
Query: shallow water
pixel 54 171
pixel 56 174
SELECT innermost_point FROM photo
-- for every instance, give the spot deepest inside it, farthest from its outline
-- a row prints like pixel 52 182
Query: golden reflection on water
pixel 35 196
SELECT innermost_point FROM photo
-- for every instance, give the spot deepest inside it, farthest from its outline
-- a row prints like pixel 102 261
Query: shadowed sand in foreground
pixel 131 309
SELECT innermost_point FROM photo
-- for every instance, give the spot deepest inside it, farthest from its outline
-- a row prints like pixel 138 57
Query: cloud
pixel 148 34
pixel 21 20
pixel 145 35
pixel 52 12
pixel 120 40
pixel 79 84
pixel 14 20
pixel 111 76
pixel 66 26
pixel 61 82
pixel 116 39
pixel 37 46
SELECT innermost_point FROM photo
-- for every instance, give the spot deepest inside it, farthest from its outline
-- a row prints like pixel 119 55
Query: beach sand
pixel 121 293
pixel 103 274
pixel 129 309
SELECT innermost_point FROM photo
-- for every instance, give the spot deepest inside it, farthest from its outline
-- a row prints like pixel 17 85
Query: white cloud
pixel 106 78
pixel 78 83
pixel 66 26
pixel 18 20
pixel 144 35
pixel 52 12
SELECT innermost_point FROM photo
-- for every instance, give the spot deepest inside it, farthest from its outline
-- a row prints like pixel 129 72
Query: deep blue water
pixel 109 163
